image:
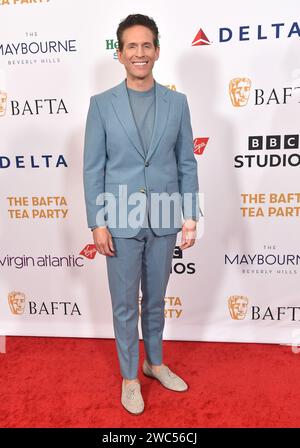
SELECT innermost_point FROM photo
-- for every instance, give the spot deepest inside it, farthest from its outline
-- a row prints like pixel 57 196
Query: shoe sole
pixel 173 390
pixel 132 413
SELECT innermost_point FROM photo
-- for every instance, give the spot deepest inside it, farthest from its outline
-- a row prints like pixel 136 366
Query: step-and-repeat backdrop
pixel 239 65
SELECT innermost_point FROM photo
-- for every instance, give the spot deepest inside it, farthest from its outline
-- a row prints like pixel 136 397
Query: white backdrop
pixel 53 56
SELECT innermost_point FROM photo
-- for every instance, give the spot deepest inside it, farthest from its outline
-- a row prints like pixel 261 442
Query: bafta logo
pixel 16 302
pixel 238 307
pixel 3 102
pixel 239 91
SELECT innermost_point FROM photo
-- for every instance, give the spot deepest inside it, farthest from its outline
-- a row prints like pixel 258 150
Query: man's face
pixel 138 47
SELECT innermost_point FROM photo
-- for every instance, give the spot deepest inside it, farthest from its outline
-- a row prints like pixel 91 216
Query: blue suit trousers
pixel 145 260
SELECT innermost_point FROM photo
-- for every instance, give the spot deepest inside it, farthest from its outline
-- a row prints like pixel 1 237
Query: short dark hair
pixel 137 19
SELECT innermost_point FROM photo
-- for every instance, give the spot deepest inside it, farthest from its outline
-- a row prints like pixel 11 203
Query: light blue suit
pixel 115 162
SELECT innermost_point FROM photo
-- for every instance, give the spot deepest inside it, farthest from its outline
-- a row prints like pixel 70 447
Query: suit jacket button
pixel 146 163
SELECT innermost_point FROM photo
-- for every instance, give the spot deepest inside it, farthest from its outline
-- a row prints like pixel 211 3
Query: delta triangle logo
pixel 201 39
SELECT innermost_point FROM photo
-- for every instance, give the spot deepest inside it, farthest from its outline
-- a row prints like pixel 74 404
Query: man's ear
pixel 119 54
pixel 157 53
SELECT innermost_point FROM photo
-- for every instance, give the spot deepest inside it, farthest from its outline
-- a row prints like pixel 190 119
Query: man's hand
pixel 188 235
pixel 103 241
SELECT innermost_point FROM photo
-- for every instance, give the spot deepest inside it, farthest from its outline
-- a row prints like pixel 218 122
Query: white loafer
pixel 166 377
pixel 131 398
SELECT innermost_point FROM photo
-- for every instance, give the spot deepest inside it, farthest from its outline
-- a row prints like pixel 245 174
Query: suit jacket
pixel 116 167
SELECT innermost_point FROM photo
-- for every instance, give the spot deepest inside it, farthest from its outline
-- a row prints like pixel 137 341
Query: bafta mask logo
pixel 16 302
pixel 239 91
pixel 238 306
pixel 3 102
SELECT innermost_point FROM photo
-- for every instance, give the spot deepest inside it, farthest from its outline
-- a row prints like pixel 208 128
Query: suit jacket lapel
pixel 162 105
pixel 123 111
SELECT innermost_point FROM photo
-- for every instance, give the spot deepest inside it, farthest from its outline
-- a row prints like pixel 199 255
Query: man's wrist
pixel 98 227
pixel 194 219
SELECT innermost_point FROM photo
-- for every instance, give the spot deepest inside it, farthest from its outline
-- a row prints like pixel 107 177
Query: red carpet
pixel 63 382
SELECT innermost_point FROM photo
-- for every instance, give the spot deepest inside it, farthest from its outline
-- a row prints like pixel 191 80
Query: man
pixel 139 141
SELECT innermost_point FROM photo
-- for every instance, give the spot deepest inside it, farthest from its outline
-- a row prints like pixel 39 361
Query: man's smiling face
pixel 139 53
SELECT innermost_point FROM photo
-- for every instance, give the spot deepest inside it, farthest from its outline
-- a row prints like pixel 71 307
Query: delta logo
pixel 200 39
pixel 200 144
pixel 246 33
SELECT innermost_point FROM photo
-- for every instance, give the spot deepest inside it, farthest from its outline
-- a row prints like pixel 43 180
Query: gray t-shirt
pixel 143 109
